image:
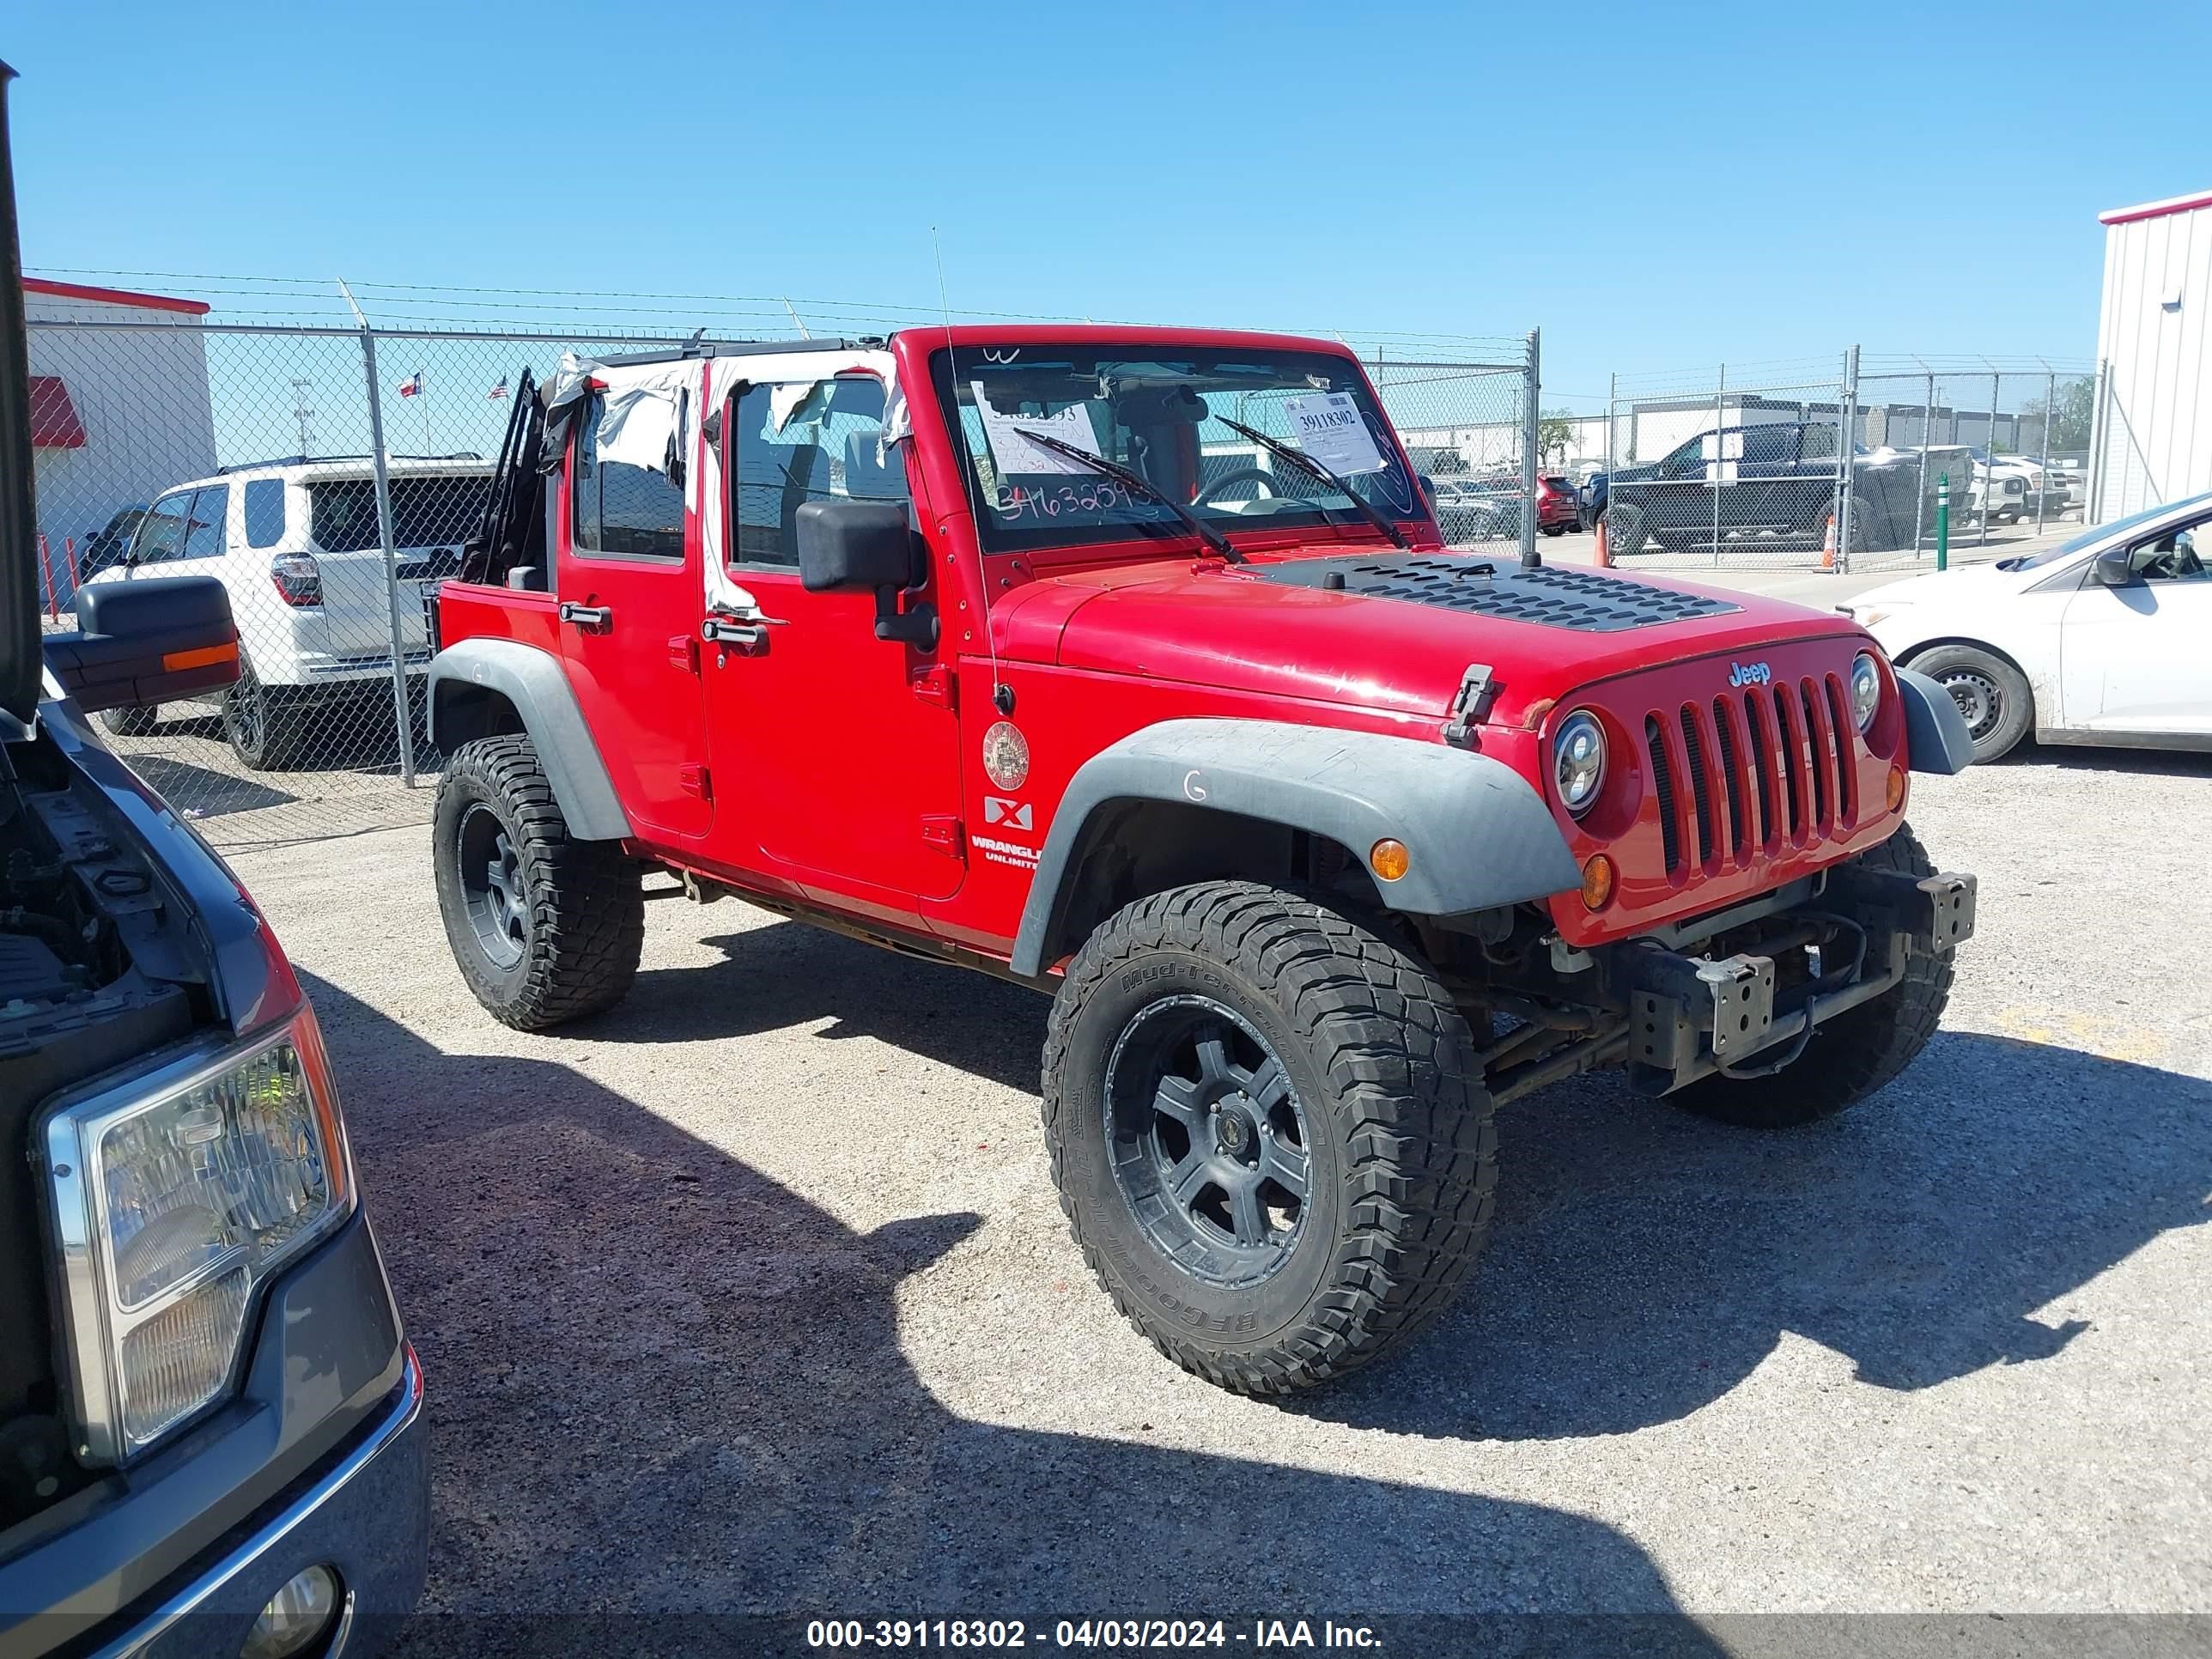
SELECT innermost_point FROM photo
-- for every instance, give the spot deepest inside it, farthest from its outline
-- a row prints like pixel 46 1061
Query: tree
pixel 2073 413
pixel 1555 435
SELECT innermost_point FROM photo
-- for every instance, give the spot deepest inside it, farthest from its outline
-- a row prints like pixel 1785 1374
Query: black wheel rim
pixel 492 887
pixel 1980 704
pixel 1208 1140
pixel 244 707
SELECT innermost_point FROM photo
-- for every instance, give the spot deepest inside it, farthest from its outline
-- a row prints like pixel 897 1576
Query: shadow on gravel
pixel 788 974
pixel 1644 1262
pixel 658 1382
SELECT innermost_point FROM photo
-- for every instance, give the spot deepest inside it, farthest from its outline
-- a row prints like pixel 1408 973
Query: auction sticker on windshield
pixel 1330 428
pixel 1017 456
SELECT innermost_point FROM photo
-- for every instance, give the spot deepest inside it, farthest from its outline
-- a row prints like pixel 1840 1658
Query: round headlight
pixel 1866 689
pixel 1578 761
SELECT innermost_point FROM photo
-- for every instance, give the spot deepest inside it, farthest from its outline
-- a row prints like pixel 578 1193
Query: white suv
pixel 297 544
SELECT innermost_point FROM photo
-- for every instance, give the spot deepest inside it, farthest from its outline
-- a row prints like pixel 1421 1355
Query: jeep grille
pixel 1766 770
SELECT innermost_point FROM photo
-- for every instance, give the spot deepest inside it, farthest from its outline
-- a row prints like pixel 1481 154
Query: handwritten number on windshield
pixel 1017 503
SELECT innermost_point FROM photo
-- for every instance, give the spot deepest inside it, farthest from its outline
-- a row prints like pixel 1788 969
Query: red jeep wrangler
pixel 1128 664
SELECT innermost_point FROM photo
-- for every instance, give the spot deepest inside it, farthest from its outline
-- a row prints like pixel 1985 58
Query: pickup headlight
pixel 174 1198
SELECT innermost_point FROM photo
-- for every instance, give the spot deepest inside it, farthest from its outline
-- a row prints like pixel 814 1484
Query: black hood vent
pixel 1551 596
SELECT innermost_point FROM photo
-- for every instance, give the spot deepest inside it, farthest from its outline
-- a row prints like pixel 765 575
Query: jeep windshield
pixel 1164 413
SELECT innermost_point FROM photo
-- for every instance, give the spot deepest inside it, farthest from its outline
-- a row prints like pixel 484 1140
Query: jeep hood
pixel 1399 634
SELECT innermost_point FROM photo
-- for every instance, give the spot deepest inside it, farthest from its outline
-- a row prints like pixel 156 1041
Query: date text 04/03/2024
pixel 1004 1635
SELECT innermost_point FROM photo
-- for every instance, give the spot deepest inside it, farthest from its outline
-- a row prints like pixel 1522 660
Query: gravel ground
pixel 755 1296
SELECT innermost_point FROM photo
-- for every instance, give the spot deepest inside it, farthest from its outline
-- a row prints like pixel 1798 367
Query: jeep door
pixel 834 753
pixel 628 582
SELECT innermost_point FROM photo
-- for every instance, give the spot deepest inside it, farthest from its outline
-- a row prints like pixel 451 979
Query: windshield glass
pixel 1162 412
pixel 2099 533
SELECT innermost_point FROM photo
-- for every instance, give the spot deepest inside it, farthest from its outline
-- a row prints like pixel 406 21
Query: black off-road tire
pixel 1994 697
pixel 1851 1055
pixel 1624 531
pixel 1401 1149
pixel 132 722
pixel 582 917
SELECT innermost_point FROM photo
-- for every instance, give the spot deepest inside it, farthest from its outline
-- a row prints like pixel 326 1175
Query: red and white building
pixel 2154 424
pixel 120 408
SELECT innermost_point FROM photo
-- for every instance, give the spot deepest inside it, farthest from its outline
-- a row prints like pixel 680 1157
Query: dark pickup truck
pixel 1778 478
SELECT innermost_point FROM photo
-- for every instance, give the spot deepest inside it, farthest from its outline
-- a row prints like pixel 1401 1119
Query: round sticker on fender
pixel 1005 755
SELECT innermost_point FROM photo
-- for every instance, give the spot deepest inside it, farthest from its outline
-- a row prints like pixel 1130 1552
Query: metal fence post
pixel 1989 472
pixel 2092 482
pixel 2050 403
pixel 1531 390
pixel 1847 448
pixel 1927 443
pixel 1611 419
pixel 1713 473
pixel 390 553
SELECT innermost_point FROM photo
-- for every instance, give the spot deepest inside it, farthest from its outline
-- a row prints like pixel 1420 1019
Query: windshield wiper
pixel 1312 468
pixel 1136 481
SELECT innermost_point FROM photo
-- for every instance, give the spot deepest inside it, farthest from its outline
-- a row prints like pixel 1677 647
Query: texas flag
pixel 412 386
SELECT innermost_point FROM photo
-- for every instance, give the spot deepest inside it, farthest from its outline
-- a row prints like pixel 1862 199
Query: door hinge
pixel 933 684
pixel 696 781
pixel 943 833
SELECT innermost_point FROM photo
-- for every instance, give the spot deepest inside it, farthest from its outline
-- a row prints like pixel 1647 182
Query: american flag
pixel 498 391
pixel 412 386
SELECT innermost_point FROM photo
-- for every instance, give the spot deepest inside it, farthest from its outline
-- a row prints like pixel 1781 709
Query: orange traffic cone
pixel 1603 558
pixel 1829 545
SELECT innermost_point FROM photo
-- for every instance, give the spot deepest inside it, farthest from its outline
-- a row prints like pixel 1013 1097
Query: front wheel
pixel 1623 530
pixel 1851 1055
pixel 543 928
pixel 264 726
pixel 1269 1132
pixel 1994 697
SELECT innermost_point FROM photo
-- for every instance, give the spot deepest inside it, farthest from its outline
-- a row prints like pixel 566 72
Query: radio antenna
pixel 1002 698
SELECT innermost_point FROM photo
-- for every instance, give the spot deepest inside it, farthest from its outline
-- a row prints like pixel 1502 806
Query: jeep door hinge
pixel 934 685
pixel 943 833
pixel 696 781
pixel 1470 705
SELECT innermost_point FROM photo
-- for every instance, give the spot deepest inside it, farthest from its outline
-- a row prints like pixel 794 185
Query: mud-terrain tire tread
pixel 1418 1187
pixel 1854 1054
pixel 586 899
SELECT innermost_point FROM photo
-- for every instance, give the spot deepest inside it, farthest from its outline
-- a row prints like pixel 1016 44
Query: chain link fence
pixel 172 444
pixel 1854 464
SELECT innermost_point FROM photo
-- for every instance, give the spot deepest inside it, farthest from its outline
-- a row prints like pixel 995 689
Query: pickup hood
pixel 1398 635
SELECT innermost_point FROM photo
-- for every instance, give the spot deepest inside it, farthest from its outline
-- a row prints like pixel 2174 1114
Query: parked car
pixel 110 545
pixel 1479 509
pixel 296 543
pixel 2101 640
pixel 1284 808
pixel 1557 509
pixel 210 1432
pixel 1772 479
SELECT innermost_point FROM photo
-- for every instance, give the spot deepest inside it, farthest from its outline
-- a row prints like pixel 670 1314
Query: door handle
pixel 592 618
pixel 748 633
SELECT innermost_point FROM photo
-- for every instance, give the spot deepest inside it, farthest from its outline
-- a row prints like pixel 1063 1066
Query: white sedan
pixel 2105 640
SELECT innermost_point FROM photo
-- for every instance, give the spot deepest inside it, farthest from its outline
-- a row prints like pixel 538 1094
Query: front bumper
pixel 367 1517
pixel 1691 1017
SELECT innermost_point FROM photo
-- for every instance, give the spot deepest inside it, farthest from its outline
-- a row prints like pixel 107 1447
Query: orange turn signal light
pixel 1597 882
pixel 205 656
pixel 1896 789
pixel 1390 859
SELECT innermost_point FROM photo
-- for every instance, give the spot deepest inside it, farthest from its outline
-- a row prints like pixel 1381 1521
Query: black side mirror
pixel 860 544
pixel 2114 567
pixel 141 643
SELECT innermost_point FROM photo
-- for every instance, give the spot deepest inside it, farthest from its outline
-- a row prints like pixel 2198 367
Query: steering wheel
pixel 2184 560
pixel 1204 497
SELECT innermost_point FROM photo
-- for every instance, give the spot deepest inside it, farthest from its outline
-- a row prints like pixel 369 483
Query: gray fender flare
pixel 536 685
pixel 1480 835
pixel 1937 739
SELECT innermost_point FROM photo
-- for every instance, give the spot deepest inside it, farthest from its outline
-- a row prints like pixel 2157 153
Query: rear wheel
pixel 1851 1055
pixel 1269 1132
pixel 1554 529
pixel 1994 697
pixel 266 729
pixel 543 928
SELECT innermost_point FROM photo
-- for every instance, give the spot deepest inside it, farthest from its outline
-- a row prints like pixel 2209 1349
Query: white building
pixel 2154 424
pixel 120 408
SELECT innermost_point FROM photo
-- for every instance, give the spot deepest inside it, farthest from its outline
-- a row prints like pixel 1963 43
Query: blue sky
pixel 1657 188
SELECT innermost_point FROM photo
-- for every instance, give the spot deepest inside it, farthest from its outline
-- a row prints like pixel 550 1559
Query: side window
pixel 264 512
pixel 206 529
pixel 161 531
pixel 619 510
pixel 1769 445
pixel 1686 460
pixel 805 441
pixel 2178 556
pixel 1819 443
